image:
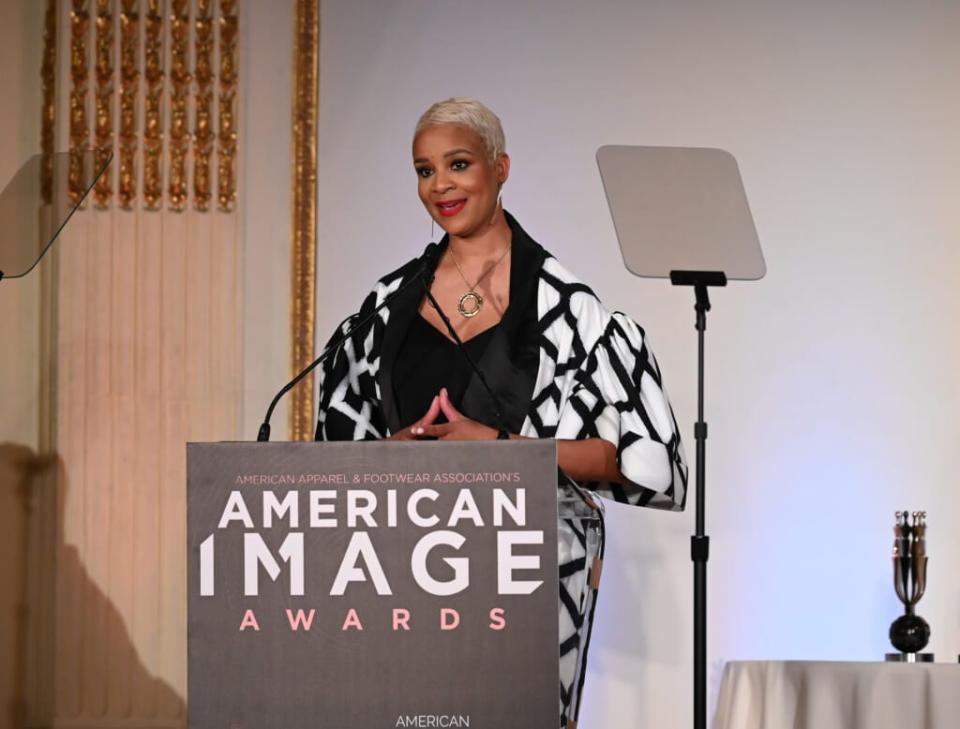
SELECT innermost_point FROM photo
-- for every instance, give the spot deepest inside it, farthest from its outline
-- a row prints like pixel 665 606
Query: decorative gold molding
pixel 80 78
pixel 181 125
pixel 48 113
pixel 226 107
pixel 203 111
pixel 129 83
pixel 153 72
pixel 179 98
pixel 103 124
pixel 306 59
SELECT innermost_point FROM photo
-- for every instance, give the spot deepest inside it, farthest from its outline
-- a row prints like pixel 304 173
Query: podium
pixel 369 584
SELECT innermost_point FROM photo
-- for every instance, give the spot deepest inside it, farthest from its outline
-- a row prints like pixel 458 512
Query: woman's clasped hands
pixel 457 427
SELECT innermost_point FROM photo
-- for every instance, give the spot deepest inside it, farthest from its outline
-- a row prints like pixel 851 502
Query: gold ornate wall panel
pixel 229 29
pixel 48 111
pixel 79 83
pixel 305 87
pixel 203 110
pixel 103 95
pixel 186 53
pixel 154 65
pixel 126 165
pixel 180 79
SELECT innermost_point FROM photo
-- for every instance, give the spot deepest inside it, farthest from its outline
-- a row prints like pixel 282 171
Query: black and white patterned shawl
pixel 564 367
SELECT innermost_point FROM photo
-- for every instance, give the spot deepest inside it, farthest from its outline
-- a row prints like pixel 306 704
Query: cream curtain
pixel 145 332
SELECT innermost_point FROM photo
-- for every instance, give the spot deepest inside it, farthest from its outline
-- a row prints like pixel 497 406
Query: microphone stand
pixel 263 435
pixel 700 542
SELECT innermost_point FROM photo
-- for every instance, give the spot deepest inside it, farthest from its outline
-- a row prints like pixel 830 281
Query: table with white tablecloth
pixel 838 695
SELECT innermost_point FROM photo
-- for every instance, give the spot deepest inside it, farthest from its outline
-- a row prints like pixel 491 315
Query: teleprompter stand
pixel 700 542
pixel 682 213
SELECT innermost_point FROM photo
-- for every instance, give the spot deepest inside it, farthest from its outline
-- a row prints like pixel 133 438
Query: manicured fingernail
pixel 418 431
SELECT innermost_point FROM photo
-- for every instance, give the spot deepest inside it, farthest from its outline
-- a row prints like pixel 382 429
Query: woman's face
pixel 457 182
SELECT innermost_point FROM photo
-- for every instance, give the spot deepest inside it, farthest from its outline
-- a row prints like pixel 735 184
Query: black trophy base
pixel 909 657
pixel 909 633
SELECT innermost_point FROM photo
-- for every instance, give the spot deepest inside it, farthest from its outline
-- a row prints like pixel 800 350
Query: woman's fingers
pixel 410 433
pixel 430 430
pixel 433 412
pixel 464 429
pixel 447 408
pixel 457 427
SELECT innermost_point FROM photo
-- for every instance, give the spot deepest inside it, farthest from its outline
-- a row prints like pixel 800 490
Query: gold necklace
pixel 471 295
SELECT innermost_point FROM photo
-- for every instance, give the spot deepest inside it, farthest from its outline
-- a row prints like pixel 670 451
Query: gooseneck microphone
pixel 423 274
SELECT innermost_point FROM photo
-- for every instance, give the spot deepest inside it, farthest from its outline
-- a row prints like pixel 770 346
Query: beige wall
pixel 267 211
pixel 831 384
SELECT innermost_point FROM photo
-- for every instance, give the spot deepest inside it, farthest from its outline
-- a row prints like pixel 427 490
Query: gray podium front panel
pixel 366 585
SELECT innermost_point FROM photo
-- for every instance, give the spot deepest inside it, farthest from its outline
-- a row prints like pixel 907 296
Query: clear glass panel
pixel 680 209
pixel 38 202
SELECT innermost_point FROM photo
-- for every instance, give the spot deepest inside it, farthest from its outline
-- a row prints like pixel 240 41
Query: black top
pixel 510 360
pixel 426 361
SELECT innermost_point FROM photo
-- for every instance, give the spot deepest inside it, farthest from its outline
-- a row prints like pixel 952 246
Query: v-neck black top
pixel 510 359
pixel 426 361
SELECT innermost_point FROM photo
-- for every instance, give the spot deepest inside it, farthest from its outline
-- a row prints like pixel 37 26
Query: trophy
pixel 910 633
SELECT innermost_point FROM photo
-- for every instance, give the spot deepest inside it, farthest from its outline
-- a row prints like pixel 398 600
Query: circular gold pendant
pixel 474 309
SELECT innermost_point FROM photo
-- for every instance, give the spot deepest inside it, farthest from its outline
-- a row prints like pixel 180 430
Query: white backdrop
pixel 831 384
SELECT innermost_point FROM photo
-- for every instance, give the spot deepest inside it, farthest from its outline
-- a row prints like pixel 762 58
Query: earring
pixel 499 206
pixel 433 229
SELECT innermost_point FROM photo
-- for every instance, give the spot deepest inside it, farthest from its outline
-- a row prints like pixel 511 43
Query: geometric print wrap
pixel 595 377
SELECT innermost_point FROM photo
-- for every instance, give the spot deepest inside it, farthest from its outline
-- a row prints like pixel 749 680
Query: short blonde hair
pixel 471 114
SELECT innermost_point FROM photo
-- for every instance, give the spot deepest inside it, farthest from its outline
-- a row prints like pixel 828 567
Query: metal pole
pixel 700 543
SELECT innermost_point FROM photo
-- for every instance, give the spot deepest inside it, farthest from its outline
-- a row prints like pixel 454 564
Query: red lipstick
pixel 448 208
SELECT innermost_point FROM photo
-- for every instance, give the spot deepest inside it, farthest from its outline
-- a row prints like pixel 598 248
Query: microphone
pixel 502 432
pixel 425 268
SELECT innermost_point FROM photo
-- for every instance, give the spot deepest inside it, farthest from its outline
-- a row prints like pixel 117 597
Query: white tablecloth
pixel 838 695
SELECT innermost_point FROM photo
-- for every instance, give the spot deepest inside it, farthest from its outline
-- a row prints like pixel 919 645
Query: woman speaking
pixel 538 356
